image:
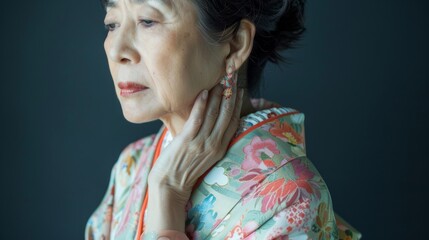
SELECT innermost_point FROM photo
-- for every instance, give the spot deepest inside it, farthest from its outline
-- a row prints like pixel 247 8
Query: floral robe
pixel 265 187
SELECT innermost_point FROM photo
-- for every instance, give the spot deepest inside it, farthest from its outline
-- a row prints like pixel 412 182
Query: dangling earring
pixel 229 80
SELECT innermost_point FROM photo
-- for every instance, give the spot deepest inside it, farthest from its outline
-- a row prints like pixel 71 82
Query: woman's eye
pixel 147 22
pixel 110 27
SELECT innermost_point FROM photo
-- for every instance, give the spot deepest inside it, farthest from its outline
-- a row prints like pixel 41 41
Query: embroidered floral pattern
pixel 284 131
pixel 322 225
pixel 259 153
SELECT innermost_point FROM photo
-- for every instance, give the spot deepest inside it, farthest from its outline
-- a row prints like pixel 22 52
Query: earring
pixel 229 80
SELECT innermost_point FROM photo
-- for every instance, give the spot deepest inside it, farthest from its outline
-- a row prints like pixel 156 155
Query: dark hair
pixel 279 24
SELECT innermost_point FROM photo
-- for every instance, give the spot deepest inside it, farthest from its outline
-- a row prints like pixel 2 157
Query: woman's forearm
pixel 166 215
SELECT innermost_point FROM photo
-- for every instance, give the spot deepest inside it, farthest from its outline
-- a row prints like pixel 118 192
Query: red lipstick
pixel 129 88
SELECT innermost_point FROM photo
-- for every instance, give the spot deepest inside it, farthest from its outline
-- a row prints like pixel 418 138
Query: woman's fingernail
pixel 163 238
pixel 205 93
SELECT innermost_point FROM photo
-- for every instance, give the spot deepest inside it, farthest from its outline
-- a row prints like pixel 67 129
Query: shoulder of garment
pixel 265 171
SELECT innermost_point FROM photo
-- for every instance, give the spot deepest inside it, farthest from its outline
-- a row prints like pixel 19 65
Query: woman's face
pixel 156 43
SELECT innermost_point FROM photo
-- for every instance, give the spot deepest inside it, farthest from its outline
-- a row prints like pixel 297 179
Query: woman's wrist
pixel 164 235
pixel 165 210
pixel 164 189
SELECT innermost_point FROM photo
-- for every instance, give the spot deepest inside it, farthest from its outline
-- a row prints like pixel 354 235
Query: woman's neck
pixel 176 121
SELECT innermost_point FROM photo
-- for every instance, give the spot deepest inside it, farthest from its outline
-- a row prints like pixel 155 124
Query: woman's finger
pixel 226 109
pixel 235 121
pixel 211 111
pixel 195 120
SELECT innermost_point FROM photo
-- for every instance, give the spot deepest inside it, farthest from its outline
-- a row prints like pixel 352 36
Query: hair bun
pixel 290 26
pixel 286 28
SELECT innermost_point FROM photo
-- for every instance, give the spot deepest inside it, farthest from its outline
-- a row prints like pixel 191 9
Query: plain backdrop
pixel 360 76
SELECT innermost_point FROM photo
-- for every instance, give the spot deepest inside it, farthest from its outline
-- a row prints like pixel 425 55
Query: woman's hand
pixel 202 142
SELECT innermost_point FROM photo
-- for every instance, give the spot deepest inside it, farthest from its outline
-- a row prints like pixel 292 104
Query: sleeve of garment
pixel 98 225
pixel 291 203
pixel 297 221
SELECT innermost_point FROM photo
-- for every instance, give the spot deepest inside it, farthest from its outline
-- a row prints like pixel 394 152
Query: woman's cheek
pixel 180 83
pixel 175 69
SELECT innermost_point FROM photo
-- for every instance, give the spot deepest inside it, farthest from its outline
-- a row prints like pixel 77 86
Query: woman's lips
pixel 129 88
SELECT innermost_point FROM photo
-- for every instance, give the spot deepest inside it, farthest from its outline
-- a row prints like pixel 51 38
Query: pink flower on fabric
pixel 257 161
pixel 258 154
pixel 302 171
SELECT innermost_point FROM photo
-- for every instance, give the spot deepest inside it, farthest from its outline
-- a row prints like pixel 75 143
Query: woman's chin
pixel 136 117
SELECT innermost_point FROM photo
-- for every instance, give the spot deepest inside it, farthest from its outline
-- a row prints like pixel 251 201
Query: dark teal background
pixel 360 75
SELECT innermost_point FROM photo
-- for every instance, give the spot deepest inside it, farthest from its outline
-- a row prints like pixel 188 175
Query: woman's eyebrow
pixel 113 3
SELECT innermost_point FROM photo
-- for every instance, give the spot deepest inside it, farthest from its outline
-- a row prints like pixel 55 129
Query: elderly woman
pixel 223 165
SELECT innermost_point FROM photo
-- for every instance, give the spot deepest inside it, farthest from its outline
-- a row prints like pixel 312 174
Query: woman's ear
pixel 242 43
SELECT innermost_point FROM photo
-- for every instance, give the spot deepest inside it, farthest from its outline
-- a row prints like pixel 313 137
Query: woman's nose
pixel 120 47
